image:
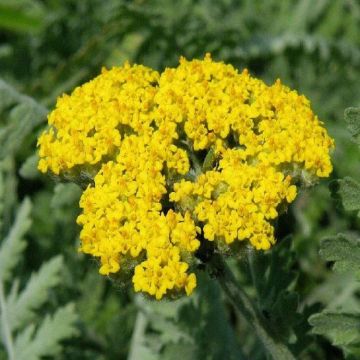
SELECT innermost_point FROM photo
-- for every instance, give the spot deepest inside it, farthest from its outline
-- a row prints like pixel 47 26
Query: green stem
pixel 8 341
pixel 137 336
pixel 251 256
pixel 245 306
pixel 196 163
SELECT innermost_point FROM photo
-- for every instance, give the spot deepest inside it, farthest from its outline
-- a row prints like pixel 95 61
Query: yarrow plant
pixel 173 164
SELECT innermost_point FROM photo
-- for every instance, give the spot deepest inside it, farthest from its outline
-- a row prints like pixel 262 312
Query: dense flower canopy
pixel 197 153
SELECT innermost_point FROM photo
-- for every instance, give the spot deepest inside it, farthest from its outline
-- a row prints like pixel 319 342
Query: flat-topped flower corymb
pixel 198 153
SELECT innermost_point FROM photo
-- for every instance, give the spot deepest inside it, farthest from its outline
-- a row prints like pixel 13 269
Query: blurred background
pixel 49 47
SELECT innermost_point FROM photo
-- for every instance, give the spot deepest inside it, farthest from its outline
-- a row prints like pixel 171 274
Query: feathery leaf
pixel 33 344
pixel 14 244
pixel 35 294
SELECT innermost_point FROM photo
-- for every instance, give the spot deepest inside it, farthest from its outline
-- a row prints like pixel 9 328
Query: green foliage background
pixel 49 47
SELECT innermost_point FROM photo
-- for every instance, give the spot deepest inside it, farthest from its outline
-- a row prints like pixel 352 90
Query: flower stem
pixel 245 306
pixel 137 337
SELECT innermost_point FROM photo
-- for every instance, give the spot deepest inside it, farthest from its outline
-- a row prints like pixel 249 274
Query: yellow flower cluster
pixel 197 153
pixel 237 201
pixel 88 126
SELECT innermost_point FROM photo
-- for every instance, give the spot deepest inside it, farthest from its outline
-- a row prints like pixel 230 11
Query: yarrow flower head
pixel 199 154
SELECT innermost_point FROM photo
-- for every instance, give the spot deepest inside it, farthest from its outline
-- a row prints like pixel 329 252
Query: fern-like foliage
pixel 23 336
pixel 19 115
pixel 188 328
pixel 341 325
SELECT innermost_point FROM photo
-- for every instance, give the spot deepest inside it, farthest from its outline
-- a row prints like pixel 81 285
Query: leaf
pixel 45 341
pixel 348 191
pixel 9 201
pixel 271 274
pixel 65 194
pixel 22 306
pixel 91 301
pixel 341 329
pixel 14 244
pixel 18 308
pixel 22 117
pixel 179 351
pixel 160 317
pixel 139 348
pixel 2 196
pixel 338 292
pixel 18 20
pixel 29 169
pixel 352 117
pixel 344 251
pixel 205 320
pixel 285 320
pixel 198 323
pixel 22 120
